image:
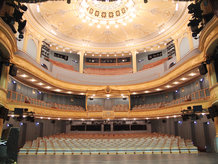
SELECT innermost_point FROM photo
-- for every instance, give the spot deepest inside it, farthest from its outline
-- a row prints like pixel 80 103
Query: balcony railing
pixel 195 96
pixel 19 98
pixel 22 99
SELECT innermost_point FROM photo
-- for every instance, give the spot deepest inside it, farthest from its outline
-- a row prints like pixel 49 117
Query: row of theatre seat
pixel 201 94
pixel 121 108
pixel 87 144
pixel 116 108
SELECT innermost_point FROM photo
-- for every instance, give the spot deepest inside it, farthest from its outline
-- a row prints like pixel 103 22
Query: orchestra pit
pixel 108 81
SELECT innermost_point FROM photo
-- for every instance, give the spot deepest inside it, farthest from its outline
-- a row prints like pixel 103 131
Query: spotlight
pixel 21 26
pixel 17 15
pixel 23 7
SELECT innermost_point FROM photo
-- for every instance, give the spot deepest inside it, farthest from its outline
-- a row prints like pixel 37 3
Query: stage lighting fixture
pixel 68 1
pixel 17 15
pixel 23 7
pixel 21 26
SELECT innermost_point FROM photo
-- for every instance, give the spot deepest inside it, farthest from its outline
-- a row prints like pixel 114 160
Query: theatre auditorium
pixel 108 81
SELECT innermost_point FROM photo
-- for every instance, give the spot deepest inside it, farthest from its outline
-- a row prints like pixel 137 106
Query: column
pixel 213 96
pixel 177 50
pixel 39 51
pixel 216 140
pixel 134 64
pixel 81 61
pixel 3 90
pixel 190 40
pixel 25 39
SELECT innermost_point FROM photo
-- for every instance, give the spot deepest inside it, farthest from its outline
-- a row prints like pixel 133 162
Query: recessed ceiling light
pixel 124 23
pixel 49 118
pixel 167 116
pixel 48 87
pixel 122 54
pixel 107 55
pixel 107 95
pixel 93 95
pixel 58 118
pixel 41 117
pixel 99 55
pixel 57 90
pixel 37 8
pixel 183 79
pixel 40 83
pixel 32 80
pixel 53 32
pixel 69 119
pixel 158 117
pixel 90 24
pixel 175 82
pixel 69 92
pixel 122 94
pixel 115 55
pixel 134 93
pixel 168 86
pixel 98 26
pixel 93 55
pixel 146 91
pixel 116 25
pixel 24 75
pixel 177 6
pixel 192 74
pixel 107 27
pixel 158 89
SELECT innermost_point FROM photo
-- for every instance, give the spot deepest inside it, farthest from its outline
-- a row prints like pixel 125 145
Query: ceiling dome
pixel 117 26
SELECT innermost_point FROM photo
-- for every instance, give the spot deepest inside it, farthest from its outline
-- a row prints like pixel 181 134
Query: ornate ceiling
pixel 118 26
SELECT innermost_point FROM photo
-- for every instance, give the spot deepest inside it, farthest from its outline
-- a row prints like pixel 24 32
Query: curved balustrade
pixel 95 108
pixel 121 108
pixel 198 95
pixel 195 96
pixel 20 98
pixel 108 71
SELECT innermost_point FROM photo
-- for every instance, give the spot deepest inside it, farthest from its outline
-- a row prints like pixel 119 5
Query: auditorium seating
pixel 87 144
pixel 198 95
pixel 120 108
pixel 95 108
pixel 18 97
pixel 108 71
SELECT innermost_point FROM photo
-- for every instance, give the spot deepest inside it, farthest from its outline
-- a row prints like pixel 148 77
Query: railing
pixel 198 95
pixel 20 98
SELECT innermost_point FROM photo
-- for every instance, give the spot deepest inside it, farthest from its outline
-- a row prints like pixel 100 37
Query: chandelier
pixel 107 13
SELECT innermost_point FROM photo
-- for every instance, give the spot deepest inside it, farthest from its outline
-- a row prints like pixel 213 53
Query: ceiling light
pixel 57 90
pixel 130 20
pixel 107 26
pixel 93 95
pixel 122 95
pixel 69 119
pixel 41 117
pixel 176 82
pixel 53 32
pixel 69 92
pixel 174 116
pixel 158 46
pixel 177 6
pixel 158 89
pixel 49 118
pixel 90 24
pixel 107 95
pixel 56 48
pixel 167 116
pixel 122 54
pixel 40 83
pixel 93 55
pixel 168 86
pixel 124 23
pixel 192 74
pixel 134 93
pixel 99 55
pixel 98 26
pixel 37 8
pixel 115 55
pixel 48 87
pixel 70 51
pixel 147 91
pixel 158 117
pixel 183 79
pixel 32 80
pixel 116 25
pixel 107 55
pixel 145 50
pixel 24 75
pixel 58 118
